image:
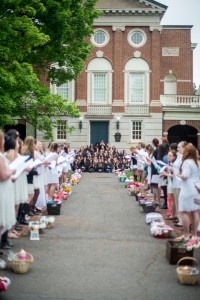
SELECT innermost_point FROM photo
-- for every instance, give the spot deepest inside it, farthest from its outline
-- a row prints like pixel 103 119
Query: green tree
pixel 195 90
pixel 34 36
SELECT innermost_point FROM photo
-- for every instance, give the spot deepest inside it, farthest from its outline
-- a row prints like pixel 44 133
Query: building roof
pixel 130 4
pixel 177 26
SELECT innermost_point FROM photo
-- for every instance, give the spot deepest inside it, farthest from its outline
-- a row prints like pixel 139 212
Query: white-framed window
pixel 136 82
pixel 136 130
pixel 99 87
pixel 137 87
pixel 100 37
pixel 65 90
pixel 137 38
pixel 99 82
pixel 61 132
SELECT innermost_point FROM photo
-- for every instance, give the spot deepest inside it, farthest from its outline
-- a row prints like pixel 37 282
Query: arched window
pixel 99 81
pixel 170 84
pixel 136 81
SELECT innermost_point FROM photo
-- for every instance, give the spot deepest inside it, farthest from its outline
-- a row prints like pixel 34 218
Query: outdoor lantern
pixel 80 123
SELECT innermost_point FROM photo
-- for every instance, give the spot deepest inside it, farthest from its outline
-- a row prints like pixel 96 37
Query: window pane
pixel 63 90
pixel 99 87
pixel 61 130
pixel 137 130
pixel 99 37
pixel 136 88
pixel 137 38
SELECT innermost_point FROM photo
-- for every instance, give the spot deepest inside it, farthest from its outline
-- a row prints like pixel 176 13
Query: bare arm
pixel 4 173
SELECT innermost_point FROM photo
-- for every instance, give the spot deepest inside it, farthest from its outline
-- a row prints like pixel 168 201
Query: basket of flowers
pixel 20 262
pixel 49 221
pixel 188 274
pixel 53 207
pixel 160 230
pixel 148 206
pixel 74 181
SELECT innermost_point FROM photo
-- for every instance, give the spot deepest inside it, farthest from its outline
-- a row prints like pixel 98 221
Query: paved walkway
pixel 100 249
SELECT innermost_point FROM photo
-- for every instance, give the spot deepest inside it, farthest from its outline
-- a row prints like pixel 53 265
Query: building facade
pixel 137 83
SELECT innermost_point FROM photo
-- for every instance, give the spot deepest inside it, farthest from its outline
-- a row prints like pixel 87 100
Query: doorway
pixel 99 132
pixel 180 133
pixel 21 128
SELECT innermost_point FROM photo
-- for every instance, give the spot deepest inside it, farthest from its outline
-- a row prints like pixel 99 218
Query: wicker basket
pixel 185 277
pixel 149 208
pixel 21 266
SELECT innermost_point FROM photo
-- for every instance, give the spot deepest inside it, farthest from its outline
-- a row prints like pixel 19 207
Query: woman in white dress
pixel 175 182
pixel 20 185
pixel 41 200
pixel 51 171
pixel 7 205
pixel 189 175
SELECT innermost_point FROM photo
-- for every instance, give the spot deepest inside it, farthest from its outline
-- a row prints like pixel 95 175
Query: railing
pixel 180 100
pixel 99 110
pixel 137 110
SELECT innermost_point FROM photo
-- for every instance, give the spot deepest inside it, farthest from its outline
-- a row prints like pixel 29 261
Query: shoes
pixel 163 206
pixel 5 246
pixel 18 228
pixel 176 221
pixel 12 235
pixel 24 222
pixel 171 218
pixel 178 225
pixel 193 243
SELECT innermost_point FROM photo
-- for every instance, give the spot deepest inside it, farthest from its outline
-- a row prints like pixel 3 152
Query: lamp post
pixel 117 134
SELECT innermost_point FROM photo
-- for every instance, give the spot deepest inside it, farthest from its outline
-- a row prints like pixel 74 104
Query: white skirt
pixel 52 176
pixel 21 189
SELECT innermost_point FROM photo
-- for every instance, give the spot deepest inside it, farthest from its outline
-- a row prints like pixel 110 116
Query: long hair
pixel 10 143
pixel 1 142
pixel 162 150
pixel 54 147
pixel 190 152
pixel 29 146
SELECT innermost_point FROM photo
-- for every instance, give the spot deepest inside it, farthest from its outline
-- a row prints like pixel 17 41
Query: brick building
pixel 138 81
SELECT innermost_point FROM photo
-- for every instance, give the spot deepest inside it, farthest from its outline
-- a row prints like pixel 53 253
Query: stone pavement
pixel 99 249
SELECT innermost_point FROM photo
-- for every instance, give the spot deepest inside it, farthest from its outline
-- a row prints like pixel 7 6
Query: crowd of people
pixel 173 169
pixel 25 188
pixel 29 176
pixel 101 157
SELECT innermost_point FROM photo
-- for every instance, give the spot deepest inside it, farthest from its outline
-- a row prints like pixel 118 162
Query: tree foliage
pixel 34 36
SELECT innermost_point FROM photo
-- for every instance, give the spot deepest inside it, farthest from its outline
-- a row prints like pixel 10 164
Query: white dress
pixel 41 201
pixel 7 201
pixel 52 173
pixel 21 189
pixel 188 191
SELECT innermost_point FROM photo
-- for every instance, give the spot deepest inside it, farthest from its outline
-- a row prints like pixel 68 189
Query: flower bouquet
pixel 48 220
pixel 4 283
pixel 74 181
pixel 160 230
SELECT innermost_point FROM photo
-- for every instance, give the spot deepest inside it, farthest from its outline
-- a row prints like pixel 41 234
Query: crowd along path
pixel 99 249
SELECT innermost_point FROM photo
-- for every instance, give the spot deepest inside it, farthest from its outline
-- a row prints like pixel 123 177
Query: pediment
pixel 130 5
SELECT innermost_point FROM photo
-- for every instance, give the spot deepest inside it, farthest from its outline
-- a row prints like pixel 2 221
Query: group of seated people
pixel 100 157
